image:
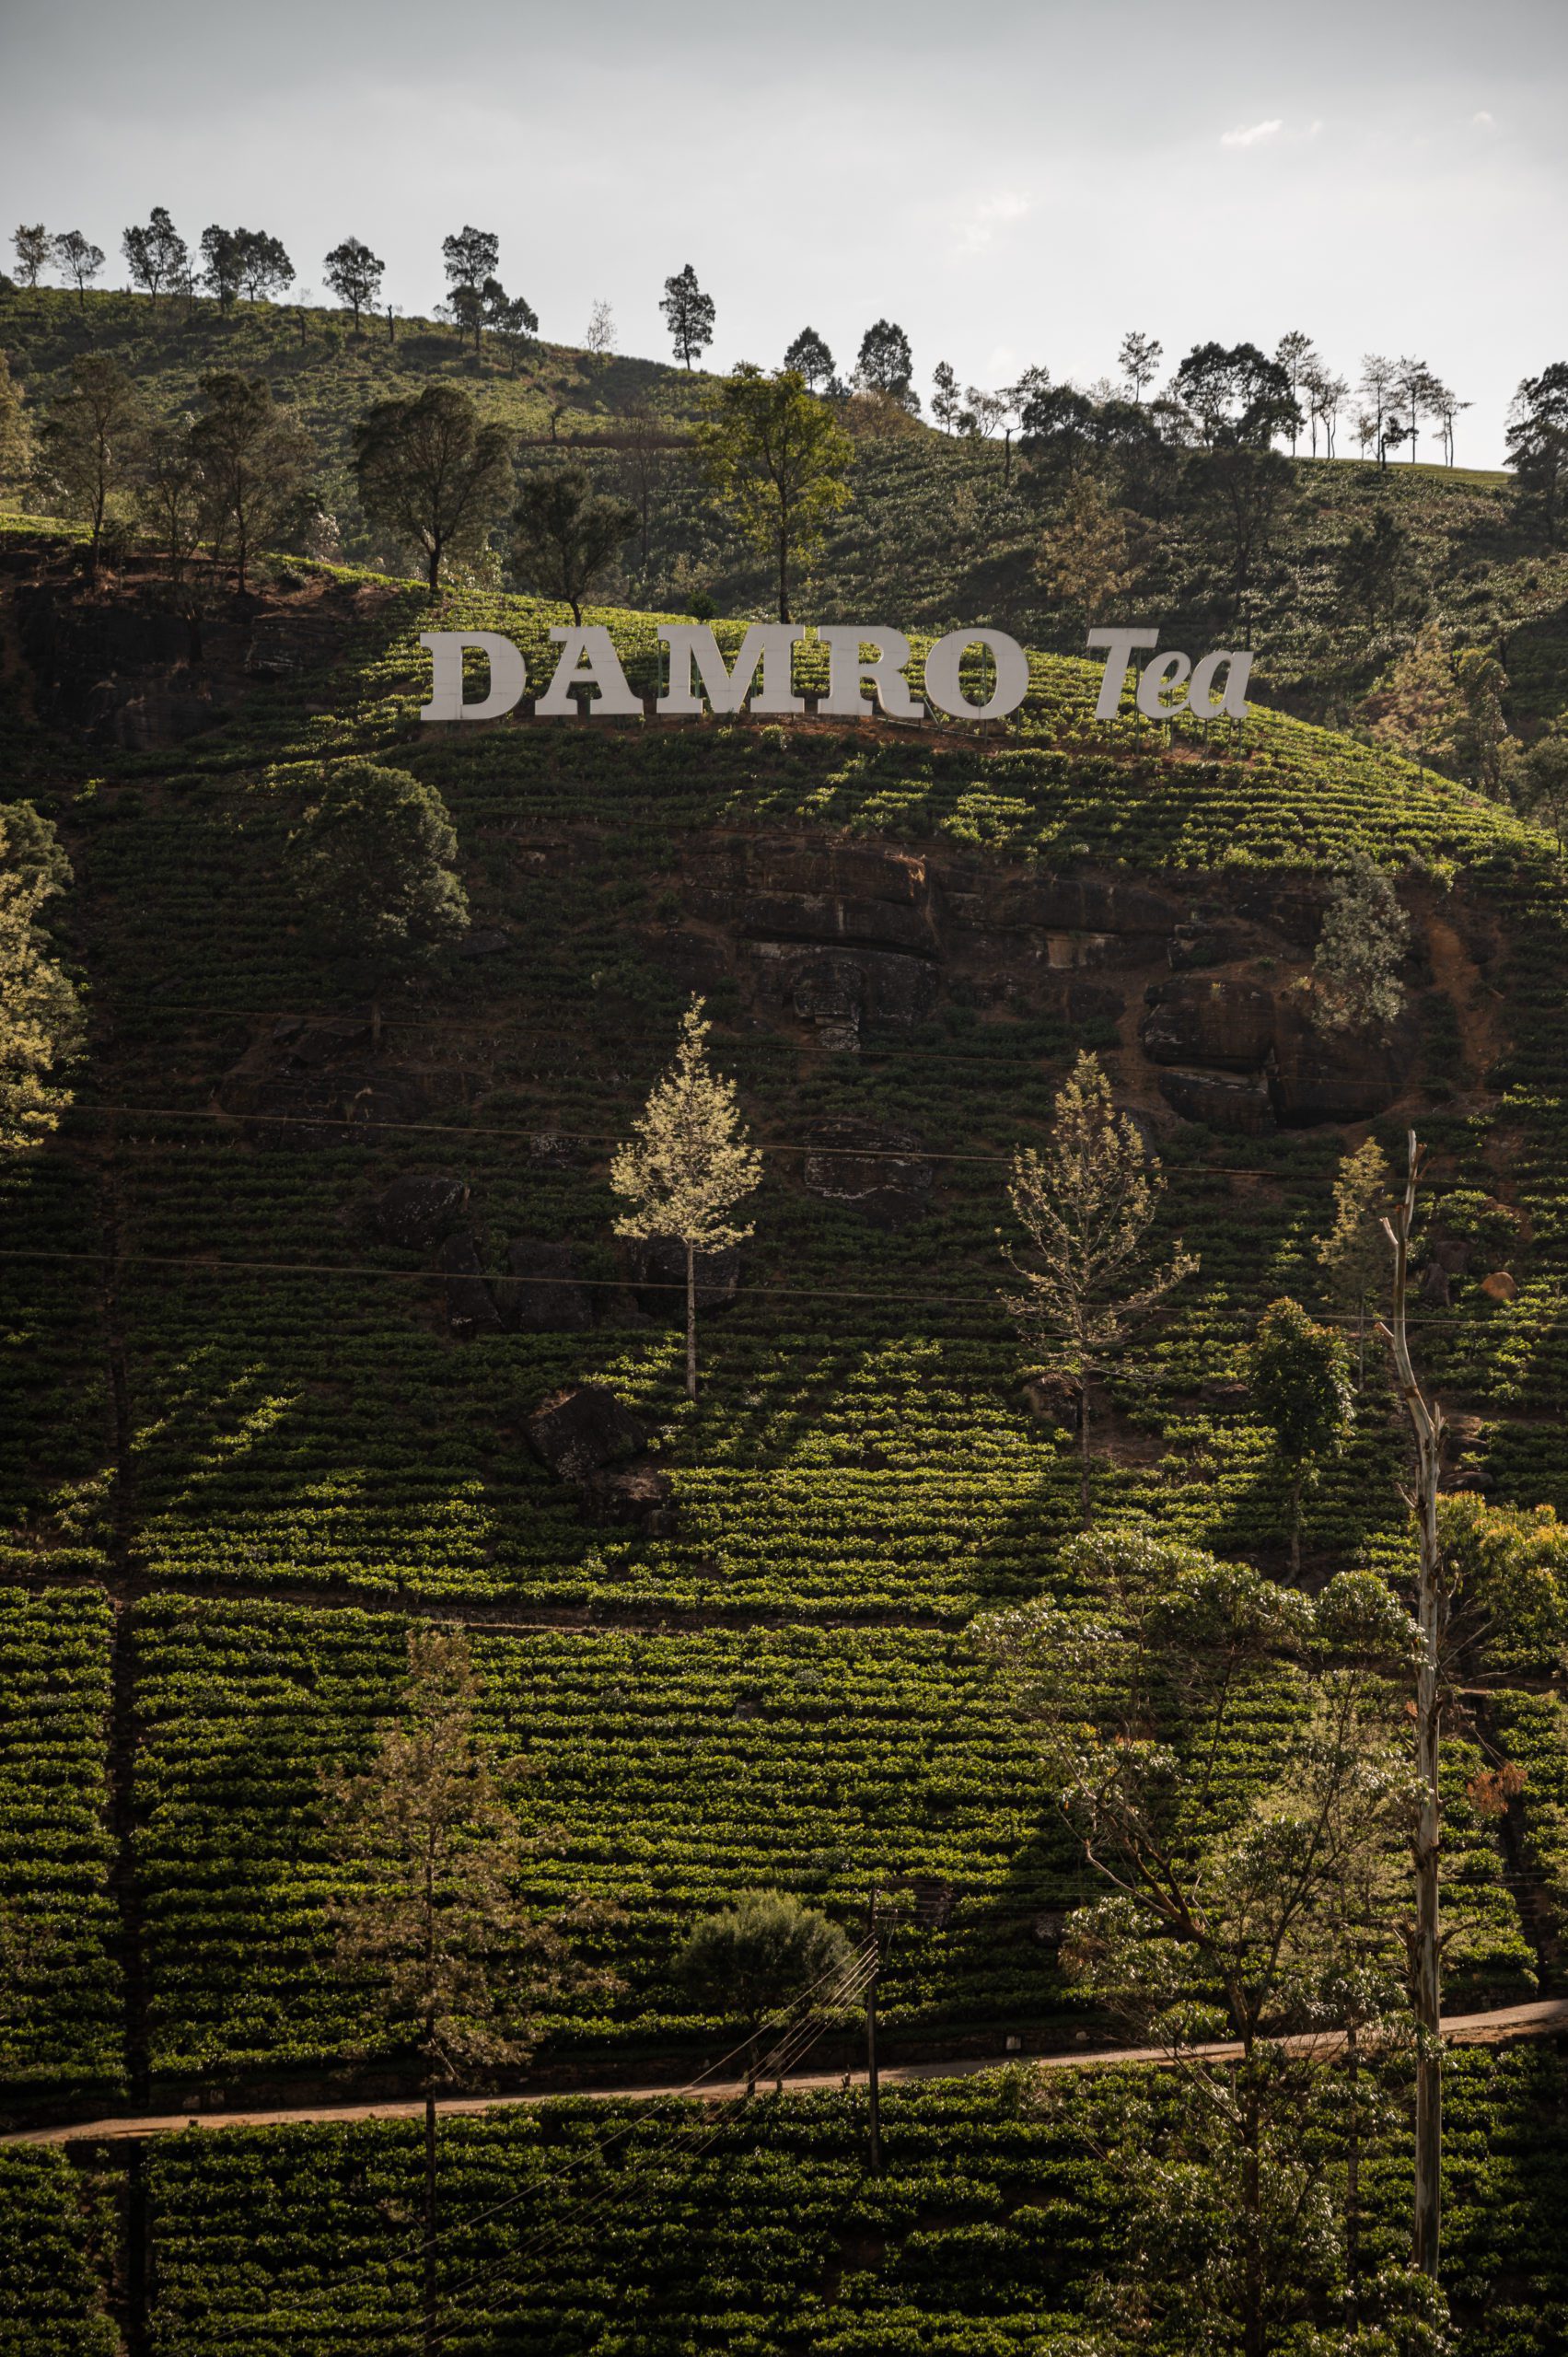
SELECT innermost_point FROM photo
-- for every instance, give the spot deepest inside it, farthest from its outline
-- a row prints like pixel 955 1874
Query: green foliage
pixel 41 1021
pixel 1355 971
pixel 776 457
pixel 433 473
pixel 371 858
pixel 752 1959
pixel 252 461
pixel 91 439
pixel 564 534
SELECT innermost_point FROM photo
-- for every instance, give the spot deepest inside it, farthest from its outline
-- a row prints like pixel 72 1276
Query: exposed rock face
pixel 416 1209
pixel 879 1173
pixel 579 1432
pixel 659 1273
pixel 1211 1020
pixel 639 1494
pixel 1238 1102
pixel 540 1293
pixel 324 1080
pixel 1334 1077
pixel 471 1306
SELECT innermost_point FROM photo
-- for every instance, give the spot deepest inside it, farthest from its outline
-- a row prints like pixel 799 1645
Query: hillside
pixel 255 1420
pixel 939 531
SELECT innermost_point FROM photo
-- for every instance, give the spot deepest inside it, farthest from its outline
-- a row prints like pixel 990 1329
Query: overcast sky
pixel 1014 183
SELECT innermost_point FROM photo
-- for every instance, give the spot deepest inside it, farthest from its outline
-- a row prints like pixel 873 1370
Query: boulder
pixel 417 1209
pixel 1231 1101
pixel 1208 1020
pixel 640 1494
pixel 580 1431
pixel 1434 1289
pixel 659 1273
pixel 1321 1075
pixel 470 1306
pixel 879 1172
pixel 811 916
pixel 539 1292
pixel 1499 1287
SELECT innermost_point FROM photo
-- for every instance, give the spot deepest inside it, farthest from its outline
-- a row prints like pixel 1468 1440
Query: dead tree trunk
pixel 1426 1939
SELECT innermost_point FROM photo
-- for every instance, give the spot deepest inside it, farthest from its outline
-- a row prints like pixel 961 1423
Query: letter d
pixel 508 674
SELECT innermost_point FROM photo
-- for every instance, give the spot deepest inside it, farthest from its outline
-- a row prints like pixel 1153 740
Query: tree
pixel 644 459
pixel 1544 780
pixel 1087 1207
pixel 1482 741
pixel 34 250
pixel 430 471
pixel 16 434
pixel 1235 396
pixel 1301 1389
pixel 1370 563
pixel 1139 359
pixel 598 337
pixel 1353 1252
pixel 1537 442
pixel 1262 1914
pixel 171 492
pixel 753 1958
pixel 373 857
pixel 688 314
pixel 1297 359
pixel 565 533
pixel 1419 713
pixel 222 258
pixel 156 254
pixel 469 258
pixel 810 356
pixel 689 1165
pixel 42 1026
pixel 253 457
pixel 91 439
pixel 263 269
pixel 1412 387
pixel 77 258
pixel 1242 489
pixel 513 319
pixel 1089 560
pixel 1325 397
pixel 1355 970
pixel 776 457
pixel 946 401
pixel 884 364
pixel 354 276
pixel 1376 376
pixel 429 1929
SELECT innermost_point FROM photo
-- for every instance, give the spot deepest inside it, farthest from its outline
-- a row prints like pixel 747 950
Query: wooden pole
pixel 873 2085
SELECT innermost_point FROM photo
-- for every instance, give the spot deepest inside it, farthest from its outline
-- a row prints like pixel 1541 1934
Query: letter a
pixel 588 659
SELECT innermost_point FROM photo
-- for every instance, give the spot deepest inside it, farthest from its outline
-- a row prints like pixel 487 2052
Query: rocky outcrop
pixel 1237 1103
pixel 540 1294
pixel 1322 1076
pixel 579 1432
pixel 470 1306
pixel 416 1211
pixel 658 1277
pixel 877 1172
pixel 1208 1020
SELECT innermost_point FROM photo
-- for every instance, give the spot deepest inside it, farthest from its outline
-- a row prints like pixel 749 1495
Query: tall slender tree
pixel 34 246
pixel 1301 1389
pixel 1139 359
pixel 77 258
pixel 91 439
pixel 688 1166
pixel 443 1955
pixel 777 458
pixel 253 459
pixel 1087 1207
pixel 565 533
pixel 42 1026
pixel 688 314
pixel 1353 1252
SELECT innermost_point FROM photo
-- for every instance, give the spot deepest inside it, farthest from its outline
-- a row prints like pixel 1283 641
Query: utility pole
pixel 1425 1942
pixel 872 2086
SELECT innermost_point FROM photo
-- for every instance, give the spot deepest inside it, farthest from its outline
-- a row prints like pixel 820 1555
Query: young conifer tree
pixel 1355 1251
pixel 429 1930
pixel 1086 1206
pixel 688 1164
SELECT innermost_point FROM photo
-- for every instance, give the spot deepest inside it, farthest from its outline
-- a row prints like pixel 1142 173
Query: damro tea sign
pixel 700 679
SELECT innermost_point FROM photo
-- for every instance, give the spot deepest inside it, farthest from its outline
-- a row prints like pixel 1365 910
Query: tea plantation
pixel 250 1433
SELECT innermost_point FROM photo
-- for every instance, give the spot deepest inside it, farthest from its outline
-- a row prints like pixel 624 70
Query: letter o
pixel 1169 672
pixel 942 674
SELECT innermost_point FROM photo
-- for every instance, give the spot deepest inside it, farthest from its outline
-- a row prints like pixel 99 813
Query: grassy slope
pixel 933 535
pixel 863 1450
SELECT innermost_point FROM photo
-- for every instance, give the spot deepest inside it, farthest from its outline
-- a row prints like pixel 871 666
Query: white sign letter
pixel 693 645
pixel 1119 645
pixel 587 658
pixel 508 674
pixel 942 682
pixel 1200 694
pixel 1169 672
pixel 845 670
